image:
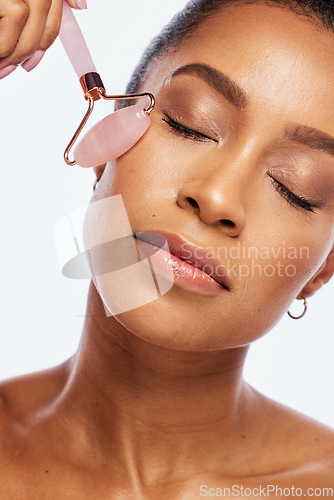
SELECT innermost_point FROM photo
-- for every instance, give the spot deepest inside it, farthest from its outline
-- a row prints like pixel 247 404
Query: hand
pixel 27 29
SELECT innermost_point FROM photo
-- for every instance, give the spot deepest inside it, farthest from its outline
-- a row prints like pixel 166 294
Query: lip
pixel 193 266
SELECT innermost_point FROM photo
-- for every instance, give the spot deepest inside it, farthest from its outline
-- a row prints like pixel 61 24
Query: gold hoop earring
pixel 97 180
pixel 95 184
pixel 303 313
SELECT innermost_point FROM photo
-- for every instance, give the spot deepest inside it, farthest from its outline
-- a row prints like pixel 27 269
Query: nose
pixel 217 199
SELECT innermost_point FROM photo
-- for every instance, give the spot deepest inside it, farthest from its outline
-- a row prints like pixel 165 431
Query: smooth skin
pixel 153 405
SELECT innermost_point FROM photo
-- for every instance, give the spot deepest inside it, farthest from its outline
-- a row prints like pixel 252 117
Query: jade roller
pixel 115 134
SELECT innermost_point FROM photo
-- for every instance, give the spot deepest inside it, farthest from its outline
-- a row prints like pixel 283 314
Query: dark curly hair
pixel 185 23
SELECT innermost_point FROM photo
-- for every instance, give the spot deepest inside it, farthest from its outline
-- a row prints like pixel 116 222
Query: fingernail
pixel 7 71
pixel 32 62
pixel 82 4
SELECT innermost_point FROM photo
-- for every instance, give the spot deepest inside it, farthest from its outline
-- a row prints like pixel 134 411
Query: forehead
pixel 282 61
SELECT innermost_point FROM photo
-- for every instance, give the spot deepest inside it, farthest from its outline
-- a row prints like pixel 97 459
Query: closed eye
pixel 299 201
pixel 186 132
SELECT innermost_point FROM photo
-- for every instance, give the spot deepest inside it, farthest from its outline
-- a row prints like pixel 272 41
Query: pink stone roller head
pixel 115 134
pixel 111 137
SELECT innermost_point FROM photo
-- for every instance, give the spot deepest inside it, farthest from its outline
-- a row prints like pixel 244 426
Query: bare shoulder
pixel 22 399
pixel 24 395
pixel 19 395
pixel 305 446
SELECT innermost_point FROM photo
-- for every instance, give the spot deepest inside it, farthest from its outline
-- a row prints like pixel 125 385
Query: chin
pixel 192 322
pixel 178 328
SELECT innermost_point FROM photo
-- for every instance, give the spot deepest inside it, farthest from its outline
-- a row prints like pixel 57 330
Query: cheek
pixel 275 270
pixel 141 174
pixel 271 267
pixel 158 162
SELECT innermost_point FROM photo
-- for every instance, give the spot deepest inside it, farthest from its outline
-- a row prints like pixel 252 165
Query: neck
pixel 153 402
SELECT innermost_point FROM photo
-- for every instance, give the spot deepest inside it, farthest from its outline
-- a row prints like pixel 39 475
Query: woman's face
pixel 244 170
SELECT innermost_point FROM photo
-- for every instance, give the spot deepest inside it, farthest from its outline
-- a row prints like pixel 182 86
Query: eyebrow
pixel 218 80
pixel 312 138
pixel 301 134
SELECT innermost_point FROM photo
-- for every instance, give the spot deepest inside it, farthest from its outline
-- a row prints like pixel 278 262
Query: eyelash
pixel 186 132
pixel 297 201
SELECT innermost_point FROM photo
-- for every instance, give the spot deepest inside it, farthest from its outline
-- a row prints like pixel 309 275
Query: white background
pixel 41 311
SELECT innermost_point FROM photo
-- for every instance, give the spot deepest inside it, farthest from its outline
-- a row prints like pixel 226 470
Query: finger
pixel 31 34
pixel 77 4
pixel 32 62
pixel 52 25
pixel 13 17
pixel 53 22
pixel 7 71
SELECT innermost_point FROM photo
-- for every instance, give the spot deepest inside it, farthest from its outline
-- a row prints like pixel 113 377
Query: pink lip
pixel 191 266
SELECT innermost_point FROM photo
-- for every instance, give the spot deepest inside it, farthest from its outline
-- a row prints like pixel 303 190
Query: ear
pixel 99 170
pixel 321 277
